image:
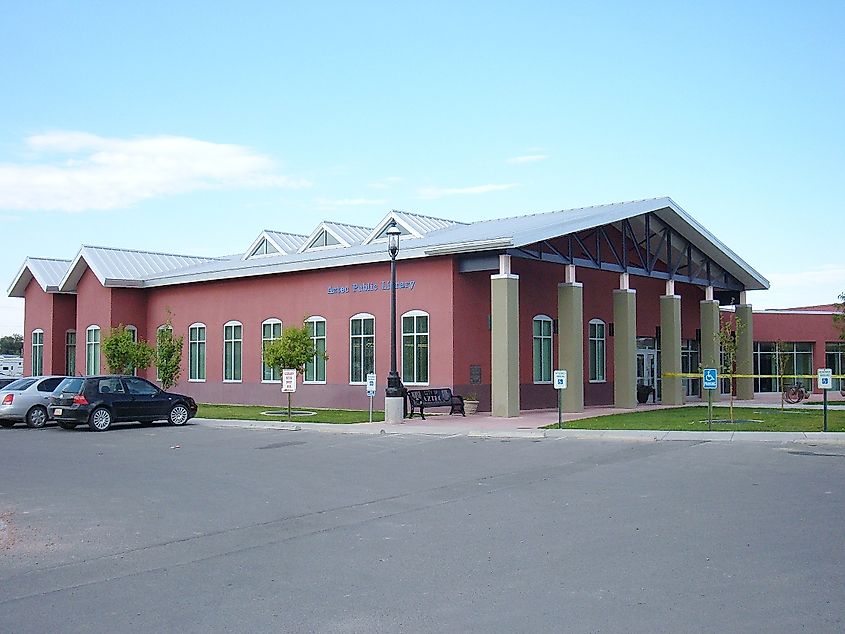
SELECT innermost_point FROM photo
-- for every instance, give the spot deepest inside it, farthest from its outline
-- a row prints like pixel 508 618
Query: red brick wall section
pixel 294 297
pixel 38 313
pixel 93 307
pixel 64 319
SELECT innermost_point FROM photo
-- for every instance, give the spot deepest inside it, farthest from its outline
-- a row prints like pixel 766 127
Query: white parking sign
pixel 560 379
pixel 371 384
pixel 288 380
pixel 825 376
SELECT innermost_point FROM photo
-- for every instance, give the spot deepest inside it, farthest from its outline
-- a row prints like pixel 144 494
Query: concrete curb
pixel 534 434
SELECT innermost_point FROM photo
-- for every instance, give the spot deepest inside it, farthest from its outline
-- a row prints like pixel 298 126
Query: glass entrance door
pixel 648 368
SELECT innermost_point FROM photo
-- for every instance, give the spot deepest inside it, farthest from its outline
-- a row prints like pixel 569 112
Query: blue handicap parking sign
pixel 711 379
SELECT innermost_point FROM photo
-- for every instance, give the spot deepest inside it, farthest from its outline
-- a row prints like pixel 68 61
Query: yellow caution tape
pixel 690 375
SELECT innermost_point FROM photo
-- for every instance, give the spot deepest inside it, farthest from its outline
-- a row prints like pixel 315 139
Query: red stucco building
pixel 617 294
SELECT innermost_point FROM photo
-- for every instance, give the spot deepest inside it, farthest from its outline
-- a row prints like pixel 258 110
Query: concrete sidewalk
pixel 529 422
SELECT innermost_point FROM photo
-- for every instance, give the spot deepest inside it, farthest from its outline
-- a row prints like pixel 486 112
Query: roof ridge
pixel 419 215
pixel 344 224
pixel 32 257
pixel 557 211
pixel 286 233
pixel 175 255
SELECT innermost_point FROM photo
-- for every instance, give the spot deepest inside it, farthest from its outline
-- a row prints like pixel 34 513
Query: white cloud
pixel 76 171
pixel 528 158
pixel 11 315
pixel 327 203
pixel 440 192
pixel 386 183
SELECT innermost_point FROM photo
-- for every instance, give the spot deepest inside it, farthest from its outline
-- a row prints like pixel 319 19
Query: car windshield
pixel 71 385
pixel 20 384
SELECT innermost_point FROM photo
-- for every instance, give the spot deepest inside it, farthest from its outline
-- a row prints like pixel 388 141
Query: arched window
pixel 196 352
pixel 542 329
pixel 597 351
pixel 233 336
pixel 362 347
pixel 315 370
pixel 37 352
pixel 70 352
pixel 92 350
pixel 415 347
pixel 271 329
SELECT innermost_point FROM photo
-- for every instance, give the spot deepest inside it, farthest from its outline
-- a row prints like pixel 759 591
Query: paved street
pixel 203 529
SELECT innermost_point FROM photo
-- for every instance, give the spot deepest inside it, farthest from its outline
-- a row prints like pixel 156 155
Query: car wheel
pixel 178 415
pixel 100 419
pixel 7 423
pixel 66 425
pixel 36 417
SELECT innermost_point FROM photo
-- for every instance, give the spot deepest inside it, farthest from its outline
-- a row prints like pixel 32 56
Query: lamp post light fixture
pixel 394 401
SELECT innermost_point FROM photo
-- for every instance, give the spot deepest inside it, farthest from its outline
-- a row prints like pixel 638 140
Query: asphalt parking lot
pixel 199 529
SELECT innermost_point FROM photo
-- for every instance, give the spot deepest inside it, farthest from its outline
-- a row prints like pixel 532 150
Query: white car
pixel 26 400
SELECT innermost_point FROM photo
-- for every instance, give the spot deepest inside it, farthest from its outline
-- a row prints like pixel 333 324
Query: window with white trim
pixel 362 347
pixel 92 350
pixel 70 352
pixel 271 329
pixel 598 354
pixel 196 352
pixel 542 326
pixel 232 350
pixel 415 347
pixel 37 352
pixel 315 369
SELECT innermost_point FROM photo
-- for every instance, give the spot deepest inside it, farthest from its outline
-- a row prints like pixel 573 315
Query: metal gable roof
pixel 117 267
pixel 124 267
pixel 47 272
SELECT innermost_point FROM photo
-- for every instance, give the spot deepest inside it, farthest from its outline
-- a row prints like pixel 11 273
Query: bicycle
pixel 795 393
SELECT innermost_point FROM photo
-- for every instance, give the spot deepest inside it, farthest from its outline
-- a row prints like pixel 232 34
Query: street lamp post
pixel 394 401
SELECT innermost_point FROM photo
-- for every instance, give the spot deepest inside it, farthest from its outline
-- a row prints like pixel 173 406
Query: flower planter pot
pixel 470 407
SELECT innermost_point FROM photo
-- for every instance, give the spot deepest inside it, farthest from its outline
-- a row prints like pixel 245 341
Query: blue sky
pixel 191 126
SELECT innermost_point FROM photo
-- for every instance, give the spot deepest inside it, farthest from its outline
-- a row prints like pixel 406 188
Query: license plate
pixel 57 411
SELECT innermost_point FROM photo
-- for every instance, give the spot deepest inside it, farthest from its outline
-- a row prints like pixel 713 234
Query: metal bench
pixel 437 397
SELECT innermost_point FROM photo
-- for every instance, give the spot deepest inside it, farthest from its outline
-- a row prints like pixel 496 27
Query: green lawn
pixel 695 419
pixel 256 412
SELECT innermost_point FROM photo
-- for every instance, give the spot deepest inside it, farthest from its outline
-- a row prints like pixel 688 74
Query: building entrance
pixel 648 364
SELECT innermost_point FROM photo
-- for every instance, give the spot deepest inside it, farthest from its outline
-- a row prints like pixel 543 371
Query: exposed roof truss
pixel 643 245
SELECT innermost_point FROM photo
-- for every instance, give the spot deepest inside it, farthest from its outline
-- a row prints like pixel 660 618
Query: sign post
pixel 288 385
pixel 825 377
pixel 710 382
pixel 560 386
pixel 371 391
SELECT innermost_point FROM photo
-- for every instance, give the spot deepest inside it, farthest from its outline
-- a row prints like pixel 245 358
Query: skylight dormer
pixel 334 235
pixel 409 225
pixel 269 243
pixel 265 247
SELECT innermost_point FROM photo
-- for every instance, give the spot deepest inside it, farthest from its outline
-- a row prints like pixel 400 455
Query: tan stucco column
pixel 504 306
pixel 570 342
pixel 744 352
pixel 672 392
pixel 709 309
pixel 625 348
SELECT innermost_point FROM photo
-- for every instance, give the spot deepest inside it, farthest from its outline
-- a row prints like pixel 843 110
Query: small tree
pixel 783 358
pixel 168 355
pixel 123 354
pixel 727 342
pixel 839 316
pixel 293 350
pixel 11 344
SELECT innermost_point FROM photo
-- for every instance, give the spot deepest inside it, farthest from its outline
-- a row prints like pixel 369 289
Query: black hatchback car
pixel 103 400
